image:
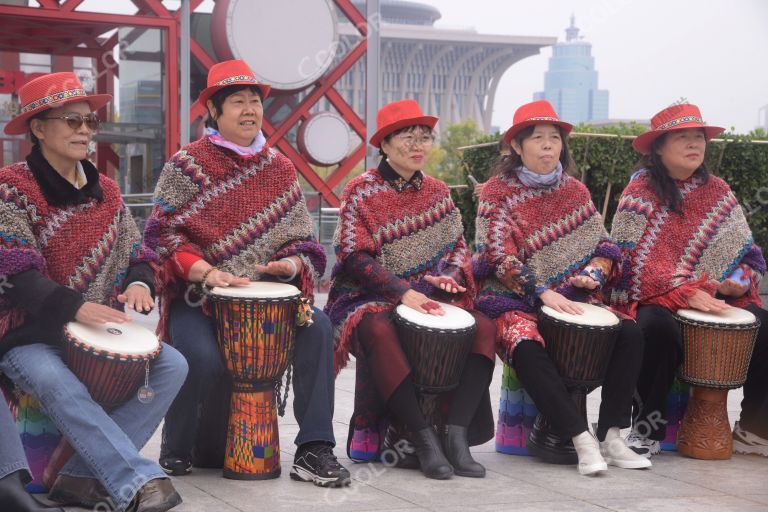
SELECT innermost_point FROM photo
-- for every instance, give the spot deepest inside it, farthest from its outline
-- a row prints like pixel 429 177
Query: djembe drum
pixel 111 359
pixel 580 346
pixel 717 348
pixel 256 332
pixel 436 347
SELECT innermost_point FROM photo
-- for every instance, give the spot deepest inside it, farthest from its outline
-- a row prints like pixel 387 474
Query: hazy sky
pixel 649 53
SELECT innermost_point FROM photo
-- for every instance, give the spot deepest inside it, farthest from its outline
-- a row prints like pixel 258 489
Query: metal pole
pixel 185 72
pixel 372 76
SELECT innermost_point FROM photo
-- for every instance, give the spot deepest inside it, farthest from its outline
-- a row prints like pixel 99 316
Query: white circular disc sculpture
pixel 288 45
pixel 324 138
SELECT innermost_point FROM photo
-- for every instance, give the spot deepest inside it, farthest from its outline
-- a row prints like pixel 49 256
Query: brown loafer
pixel 156 496
pixel 86 492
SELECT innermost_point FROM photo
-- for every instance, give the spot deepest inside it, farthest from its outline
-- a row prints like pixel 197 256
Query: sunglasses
pixel 75 121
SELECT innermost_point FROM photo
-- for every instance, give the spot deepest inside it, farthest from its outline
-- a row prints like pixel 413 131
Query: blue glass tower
pixel 570 84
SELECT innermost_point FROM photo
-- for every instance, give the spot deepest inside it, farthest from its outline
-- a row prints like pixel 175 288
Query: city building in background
pixel 570 83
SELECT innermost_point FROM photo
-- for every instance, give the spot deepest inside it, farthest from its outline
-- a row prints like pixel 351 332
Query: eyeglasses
pixel 75 121
pixel 411 141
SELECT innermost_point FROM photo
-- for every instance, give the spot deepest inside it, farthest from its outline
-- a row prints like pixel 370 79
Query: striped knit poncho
pixel 233 211
pixel 86 247
pixel 533 239
pixel 668 255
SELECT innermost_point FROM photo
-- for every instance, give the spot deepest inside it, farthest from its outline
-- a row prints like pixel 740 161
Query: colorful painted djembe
pixel 717 348
pixel 677 402
pixel 580 346
pixel 517 412
pixel 436 347
pixel 256 332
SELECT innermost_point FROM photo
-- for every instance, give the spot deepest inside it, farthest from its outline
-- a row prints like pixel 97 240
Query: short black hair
pixel 407 129
pixel 218 100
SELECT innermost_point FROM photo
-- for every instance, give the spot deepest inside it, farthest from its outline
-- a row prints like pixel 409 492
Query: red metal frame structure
pixel 57 28
pixel 324 87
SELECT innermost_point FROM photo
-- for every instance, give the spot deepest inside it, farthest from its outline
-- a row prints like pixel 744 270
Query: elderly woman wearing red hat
pixel 70 250
pixel 229 209
pixel 541 241
pixel 671 205
pixel 400 240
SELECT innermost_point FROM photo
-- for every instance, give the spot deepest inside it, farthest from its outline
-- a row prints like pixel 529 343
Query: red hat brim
pixel 18 124
pixel 644 141
pixel 515 129
pixel 206 93
pixel 401 123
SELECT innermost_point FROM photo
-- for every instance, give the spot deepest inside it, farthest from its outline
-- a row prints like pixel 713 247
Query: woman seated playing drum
pixel 70 250
pixel 541 241
pixel 686 244
pixel 229 209
pixel 400 240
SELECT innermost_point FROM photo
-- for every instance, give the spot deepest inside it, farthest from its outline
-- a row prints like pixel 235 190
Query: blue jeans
pixel 12 456
pixel 106 444
pixel 193 334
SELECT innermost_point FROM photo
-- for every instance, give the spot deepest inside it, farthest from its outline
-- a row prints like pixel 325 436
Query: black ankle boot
pixel 15 498
pixel 456 448
pixel 431 459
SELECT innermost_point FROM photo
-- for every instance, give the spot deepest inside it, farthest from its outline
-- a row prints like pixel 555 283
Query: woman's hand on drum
pixel 281 268
pixel 218 277
pixel 584 282
pixel 445 283
pixel 422 303
pixel 137 298
pixel 703 301
pixel 92 313
pixel 560 304
pixel 731 288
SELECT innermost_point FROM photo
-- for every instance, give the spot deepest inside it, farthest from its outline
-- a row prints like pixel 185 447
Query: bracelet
pixel 295 271
pixel 139 283
pixel 205 276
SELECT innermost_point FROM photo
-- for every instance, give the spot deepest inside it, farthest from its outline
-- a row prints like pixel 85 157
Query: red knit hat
pixel 536 112
pixel 676 117
pixel 230 72
pixel 399 114
pixel 51 91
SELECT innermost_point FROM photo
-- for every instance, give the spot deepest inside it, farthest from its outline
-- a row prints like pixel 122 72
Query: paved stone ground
pixel 674 483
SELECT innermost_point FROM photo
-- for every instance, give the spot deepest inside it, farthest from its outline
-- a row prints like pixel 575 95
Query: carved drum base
pixel 705 432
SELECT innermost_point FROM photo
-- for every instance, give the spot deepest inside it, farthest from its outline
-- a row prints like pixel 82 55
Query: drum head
pixel 455 318
pixel 730 316
pixel 257 290
pixel 127 339
pixel 593 316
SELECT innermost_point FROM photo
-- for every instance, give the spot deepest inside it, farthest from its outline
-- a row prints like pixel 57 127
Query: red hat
pixel 51 91
pixel 399 114
pixel 536 112
pixel 230 72
pixel 676 117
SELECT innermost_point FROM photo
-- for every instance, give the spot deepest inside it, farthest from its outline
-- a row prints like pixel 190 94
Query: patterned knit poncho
pixel 666 255
pixel 235 212
pixel 86 247
pixel 532 239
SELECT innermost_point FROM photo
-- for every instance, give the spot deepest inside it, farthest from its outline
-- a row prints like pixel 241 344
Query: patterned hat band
pixel 680 120
pixel 236 78
pixel 544 118
pixel 52 98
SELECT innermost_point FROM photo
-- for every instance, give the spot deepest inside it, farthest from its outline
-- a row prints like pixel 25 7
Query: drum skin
pixel 256 337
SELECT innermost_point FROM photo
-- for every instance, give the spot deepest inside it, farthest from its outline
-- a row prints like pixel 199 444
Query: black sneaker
pixel 316 463
pixel 176 466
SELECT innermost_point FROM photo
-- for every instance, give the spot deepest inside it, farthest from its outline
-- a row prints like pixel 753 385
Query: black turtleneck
pixel 57 190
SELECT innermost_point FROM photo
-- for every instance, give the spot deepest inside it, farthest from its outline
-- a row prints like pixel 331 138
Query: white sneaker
pixel 642 445
pixel 588 451
pixel 616 452
pixel 748 443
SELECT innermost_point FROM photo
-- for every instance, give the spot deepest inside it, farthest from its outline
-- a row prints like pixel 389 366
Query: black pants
pixel 664 353
pixel 539 376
